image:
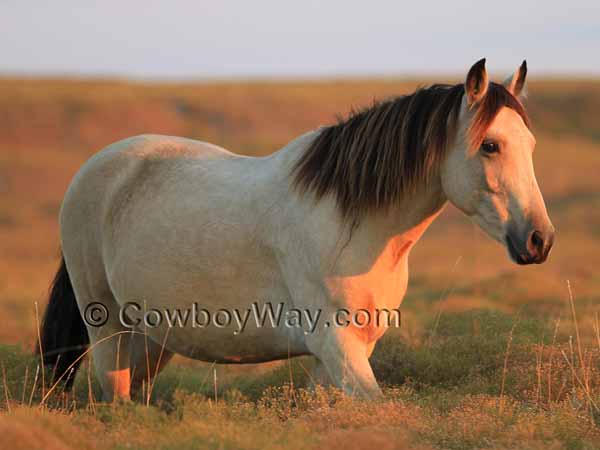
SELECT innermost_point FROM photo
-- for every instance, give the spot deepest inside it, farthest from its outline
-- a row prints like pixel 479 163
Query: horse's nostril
pixel 537 240
pixel 535 245
pixel 539 245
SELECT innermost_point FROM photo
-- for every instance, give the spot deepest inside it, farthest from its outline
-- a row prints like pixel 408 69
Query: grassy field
pixel 490 355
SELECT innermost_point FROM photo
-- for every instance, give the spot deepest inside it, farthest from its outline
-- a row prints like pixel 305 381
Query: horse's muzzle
pixel 533 249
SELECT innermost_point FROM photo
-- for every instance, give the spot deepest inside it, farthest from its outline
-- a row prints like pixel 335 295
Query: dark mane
pixel 377 155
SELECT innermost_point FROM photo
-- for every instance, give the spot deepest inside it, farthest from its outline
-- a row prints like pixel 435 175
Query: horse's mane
pixel 377 155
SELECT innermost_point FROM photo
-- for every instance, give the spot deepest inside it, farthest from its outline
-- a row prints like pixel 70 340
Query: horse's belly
pixel 218 312
pixel 248 347
pixel 229 330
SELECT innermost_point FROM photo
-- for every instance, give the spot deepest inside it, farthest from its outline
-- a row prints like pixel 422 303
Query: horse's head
pixel 488 172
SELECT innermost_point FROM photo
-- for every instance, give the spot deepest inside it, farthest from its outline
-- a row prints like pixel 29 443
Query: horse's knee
pixel 345 359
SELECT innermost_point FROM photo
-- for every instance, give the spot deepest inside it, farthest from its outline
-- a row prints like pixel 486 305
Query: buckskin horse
pixel 327 222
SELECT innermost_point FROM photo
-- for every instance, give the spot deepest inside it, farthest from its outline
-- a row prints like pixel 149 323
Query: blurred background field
pixel 487 349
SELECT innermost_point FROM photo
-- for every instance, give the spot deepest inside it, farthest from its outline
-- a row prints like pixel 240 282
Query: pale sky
pixel 301 38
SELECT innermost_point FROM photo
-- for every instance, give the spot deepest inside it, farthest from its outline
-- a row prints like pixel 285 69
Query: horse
pixel 325 224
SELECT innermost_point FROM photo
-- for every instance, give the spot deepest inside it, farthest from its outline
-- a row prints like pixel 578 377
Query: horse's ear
pixel 515 84
pixel 476 84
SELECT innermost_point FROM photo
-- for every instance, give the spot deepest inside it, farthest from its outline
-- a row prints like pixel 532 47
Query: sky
pixel 200 39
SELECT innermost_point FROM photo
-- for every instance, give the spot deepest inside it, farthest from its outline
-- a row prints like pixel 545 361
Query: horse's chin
pixel 515 256
pixel 494 232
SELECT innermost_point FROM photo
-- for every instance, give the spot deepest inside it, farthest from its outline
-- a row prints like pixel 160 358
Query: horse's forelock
pixel 496 98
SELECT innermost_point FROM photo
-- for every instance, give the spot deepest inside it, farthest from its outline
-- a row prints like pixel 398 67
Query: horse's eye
pixel 489 147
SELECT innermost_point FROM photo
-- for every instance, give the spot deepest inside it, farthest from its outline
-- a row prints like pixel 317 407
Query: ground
pixel 489 355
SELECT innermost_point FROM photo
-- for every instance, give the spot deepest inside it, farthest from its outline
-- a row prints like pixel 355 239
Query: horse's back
pixel 165 147
pixel 124 166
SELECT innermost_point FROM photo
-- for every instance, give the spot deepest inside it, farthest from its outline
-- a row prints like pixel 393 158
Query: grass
pixel 489 355
pixel 443 393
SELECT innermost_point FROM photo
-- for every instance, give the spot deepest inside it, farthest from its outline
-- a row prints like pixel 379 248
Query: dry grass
pixel 490 355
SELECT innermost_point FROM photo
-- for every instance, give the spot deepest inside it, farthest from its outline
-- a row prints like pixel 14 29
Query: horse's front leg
pixel 345 357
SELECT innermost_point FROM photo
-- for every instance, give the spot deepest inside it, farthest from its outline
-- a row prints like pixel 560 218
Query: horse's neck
pixel 385 239
pixel 343 248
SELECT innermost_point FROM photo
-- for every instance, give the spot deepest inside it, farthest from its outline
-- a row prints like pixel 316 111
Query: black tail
pixel 64 337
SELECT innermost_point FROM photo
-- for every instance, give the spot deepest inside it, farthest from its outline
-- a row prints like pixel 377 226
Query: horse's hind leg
pixel 109 339
pixel 110 345
pixel 111 362
pixel 148 358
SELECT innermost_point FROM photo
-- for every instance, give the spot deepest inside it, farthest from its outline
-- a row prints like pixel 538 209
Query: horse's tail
pixel 63 336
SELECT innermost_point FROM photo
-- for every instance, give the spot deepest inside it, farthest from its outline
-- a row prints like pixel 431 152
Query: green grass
pixel 463 351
